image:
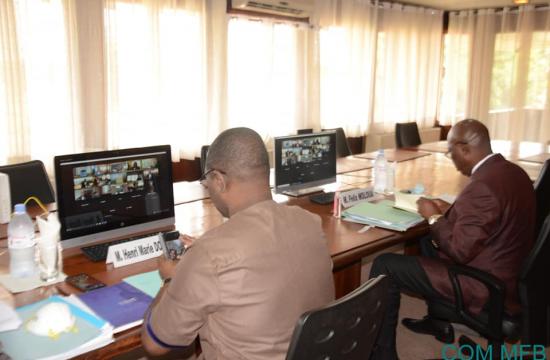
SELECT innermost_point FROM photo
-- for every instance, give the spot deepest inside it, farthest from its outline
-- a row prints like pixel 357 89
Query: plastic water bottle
pixel 21 243
pixel 380 172
pixel 390 177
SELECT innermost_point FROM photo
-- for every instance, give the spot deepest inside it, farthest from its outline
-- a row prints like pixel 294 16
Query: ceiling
pixel 443 4
pixel 467 4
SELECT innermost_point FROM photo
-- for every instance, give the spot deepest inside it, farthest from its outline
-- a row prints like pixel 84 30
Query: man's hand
pixel 167 268
pixel 443 205
pixel 187 240
pixel 428 207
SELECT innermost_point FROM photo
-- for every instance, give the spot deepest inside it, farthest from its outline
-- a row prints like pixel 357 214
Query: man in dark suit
pixel 490 227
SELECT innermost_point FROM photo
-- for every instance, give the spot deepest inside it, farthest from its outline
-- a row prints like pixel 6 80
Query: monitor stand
pixel 301 192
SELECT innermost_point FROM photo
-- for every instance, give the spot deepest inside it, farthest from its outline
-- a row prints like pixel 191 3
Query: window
pixel 503 74
pixel 155 72
pixel 346 59
pixel 456 69
pixel 505 80
pixel 335 75
pixel 36 94
pixel 264 72
pixel 539 68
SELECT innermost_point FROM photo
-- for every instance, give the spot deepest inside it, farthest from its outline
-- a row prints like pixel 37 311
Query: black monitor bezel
pixel 277 146
pixel 168 218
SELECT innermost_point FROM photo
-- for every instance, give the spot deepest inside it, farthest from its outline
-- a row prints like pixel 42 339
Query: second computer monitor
pixel 304 162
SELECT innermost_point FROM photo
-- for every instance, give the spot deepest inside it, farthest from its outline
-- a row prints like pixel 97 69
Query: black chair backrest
pixel 542 191
pixel 304 131
pixel 342 146
pixel 406 135
pixel 204 152
pixel 29 179
pixel 534 291
pixel 344 329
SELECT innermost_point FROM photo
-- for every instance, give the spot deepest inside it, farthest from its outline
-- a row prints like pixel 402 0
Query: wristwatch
pixel 433 219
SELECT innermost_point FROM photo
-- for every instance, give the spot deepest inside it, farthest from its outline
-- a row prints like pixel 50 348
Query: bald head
pixel 240 153
pixel 473 133
pixel 468 143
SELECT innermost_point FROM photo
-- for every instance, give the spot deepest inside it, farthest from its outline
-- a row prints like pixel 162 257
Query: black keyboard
pixel 99 252
pixel 322 198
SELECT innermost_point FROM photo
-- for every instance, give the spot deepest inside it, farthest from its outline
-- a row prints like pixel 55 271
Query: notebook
pixel 122 305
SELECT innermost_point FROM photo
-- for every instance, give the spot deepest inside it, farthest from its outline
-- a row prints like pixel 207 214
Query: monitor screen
pixel 304 162
pixel 108 194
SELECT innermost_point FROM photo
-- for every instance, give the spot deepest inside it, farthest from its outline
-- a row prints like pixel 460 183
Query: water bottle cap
pixel 20 208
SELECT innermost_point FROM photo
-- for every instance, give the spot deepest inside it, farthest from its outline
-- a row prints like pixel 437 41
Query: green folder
pixel 382 214
pixel 149 282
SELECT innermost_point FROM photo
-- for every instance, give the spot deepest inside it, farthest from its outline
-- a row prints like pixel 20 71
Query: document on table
pixel 382 214
pixel 407 201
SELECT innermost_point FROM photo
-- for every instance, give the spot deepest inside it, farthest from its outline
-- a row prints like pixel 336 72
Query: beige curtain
pixel 407 62
pixel 266 75
pixel 347 45
pixel 40 108
pixel 14 134
pixel 379 64
pixel 497 69
pixel 155 73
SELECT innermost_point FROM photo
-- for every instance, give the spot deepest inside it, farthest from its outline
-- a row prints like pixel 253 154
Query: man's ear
pixel 466 150
pixel 220 182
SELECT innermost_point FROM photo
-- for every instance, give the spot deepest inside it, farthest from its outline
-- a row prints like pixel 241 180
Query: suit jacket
pixel 489 227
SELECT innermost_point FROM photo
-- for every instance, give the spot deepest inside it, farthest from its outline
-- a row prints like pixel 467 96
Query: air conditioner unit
pixel 298 9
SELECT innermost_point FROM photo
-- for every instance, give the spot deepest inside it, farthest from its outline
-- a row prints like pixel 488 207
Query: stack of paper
pixel 382 214
pixel 9 320
pixel 90 333
pixel 407 201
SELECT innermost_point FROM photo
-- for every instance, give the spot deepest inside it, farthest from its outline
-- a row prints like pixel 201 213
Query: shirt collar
pixel 481 162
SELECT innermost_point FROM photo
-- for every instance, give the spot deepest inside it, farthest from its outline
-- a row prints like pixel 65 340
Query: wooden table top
pixel 528 155
pixel 512 150
pixel 394 155
pixel 539 158
pixel 347 246
pixel 436 172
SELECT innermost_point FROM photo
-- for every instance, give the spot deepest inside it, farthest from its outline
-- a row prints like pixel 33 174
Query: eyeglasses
pixel 202 179
pixel 450 148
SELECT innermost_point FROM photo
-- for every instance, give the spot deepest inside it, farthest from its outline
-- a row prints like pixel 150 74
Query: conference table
pixel 346 244
pixel 527 154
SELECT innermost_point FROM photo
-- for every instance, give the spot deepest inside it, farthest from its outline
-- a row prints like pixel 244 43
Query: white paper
pixel 9 320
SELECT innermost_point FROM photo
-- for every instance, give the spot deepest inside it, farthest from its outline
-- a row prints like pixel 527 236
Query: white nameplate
pixel 134 251
pixel 352 197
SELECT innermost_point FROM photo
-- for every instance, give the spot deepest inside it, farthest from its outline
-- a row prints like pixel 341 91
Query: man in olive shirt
pixel 242 285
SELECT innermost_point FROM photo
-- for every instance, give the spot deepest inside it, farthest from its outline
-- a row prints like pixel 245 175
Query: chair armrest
pixel 497 293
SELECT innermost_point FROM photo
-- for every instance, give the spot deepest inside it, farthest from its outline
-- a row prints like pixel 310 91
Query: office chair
pixel 29 179
pixel 344 329
pixel 407 135
pixel 204 152
pixel 342 146
pixel 542 191
pixel 304 131
pixel 531 326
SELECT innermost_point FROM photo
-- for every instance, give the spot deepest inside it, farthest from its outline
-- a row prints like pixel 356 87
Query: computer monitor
pixel 112 194
pixel 304 162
